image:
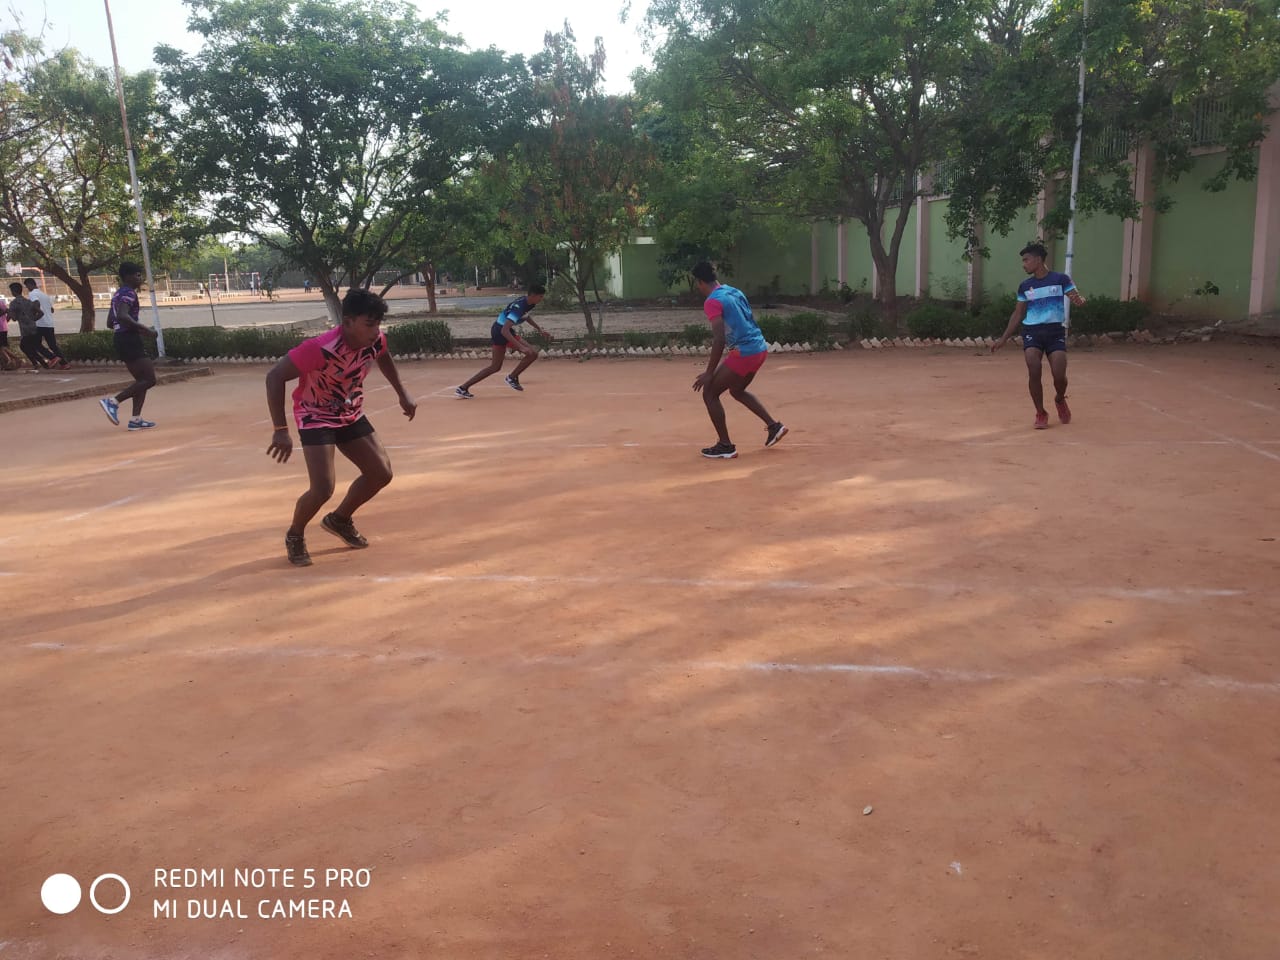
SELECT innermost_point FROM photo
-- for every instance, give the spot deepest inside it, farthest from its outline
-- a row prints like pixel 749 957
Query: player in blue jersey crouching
pixel 734 327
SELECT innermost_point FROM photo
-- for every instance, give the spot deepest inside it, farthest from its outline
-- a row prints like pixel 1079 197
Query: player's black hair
pixel 16 289
pixel 1036 249
pixel 128 268
pixel 364 303
pixel 536 288
pixel 704 271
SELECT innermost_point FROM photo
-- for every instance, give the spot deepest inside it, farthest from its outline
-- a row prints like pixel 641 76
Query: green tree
pixel 319 129
pixel 837 106
pixel 698 198
pixel 1174 74
pixel 65 197
pixel 572 182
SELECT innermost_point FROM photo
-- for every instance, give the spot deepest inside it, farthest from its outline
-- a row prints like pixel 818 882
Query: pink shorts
pixel 745 366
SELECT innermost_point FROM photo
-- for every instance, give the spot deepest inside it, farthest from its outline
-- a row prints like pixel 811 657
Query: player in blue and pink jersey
pixel 328 408
pixel 503 336
pixel 130 347
pixel 1041 309
pixel 732 325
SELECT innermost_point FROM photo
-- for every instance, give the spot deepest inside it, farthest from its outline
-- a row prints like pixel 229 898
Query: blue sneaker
pixel 137 423
pixel 111 409
pixel 514 384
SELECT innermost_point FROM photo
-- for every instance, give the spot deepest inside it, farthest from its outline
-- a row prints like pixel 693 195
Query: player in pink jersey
pixel 328 407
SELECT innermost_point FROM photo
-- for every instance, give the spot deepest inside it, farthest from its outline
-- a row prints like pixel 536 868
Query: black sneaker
pixel 776 432
pixel 721 451
pixel 345 529
pixel 514 384
pixel 296 547
pixel 463 393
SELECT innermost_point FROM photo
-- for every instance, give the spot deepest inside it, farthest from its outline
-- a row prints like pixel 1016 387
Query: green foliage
pixel 695 334
pixel 1175 74
pixel 1107 315
pixel 930 320
pixel 323 130
pixel 420 336
pixel 811 328
pixel 95 345
pixel 572 181
pixel 646 338
pixel 65 195
pixel 828 109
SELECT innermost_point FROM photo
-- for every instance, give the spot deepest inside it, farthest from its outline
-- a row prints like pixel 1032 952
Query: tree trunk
pixel 429 271
pixel 331 302
pixel 580 285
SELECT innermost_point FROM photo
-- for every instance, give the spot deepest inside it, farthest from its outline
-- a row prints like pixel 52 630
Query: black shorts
pixel 319 436
pixel 1046 337
pixel 129 347
pixel 4 339
pixel 495 335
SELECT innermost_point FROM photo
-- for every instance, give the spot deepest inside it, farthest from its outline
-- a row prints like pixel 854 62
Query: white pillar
pixel 1135 260
pixel 1264 295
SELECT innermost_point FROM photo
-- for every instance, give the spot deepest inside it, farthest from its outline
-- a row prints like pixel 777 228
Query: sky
pixel 515 26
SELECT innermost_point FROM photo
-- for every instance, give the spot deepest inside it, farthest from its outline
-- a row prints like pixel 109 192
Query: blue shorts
pixel 495 334
pixel 1046 337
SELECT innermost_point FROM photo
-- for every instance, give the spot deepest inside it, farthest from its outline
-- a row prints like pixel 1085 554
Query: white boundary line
pixel 1163 594
pixel 1243 444
pixel 92 510
pixel 865 670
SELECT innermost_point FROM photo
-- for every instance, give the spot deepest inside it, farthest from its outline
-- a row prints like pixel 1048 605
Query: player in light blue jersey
pixel 1041 310
pixel 734 327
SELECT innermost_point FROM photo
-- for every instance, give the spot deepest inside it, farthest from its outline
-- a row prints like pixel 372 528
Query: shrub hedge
pixel 190 343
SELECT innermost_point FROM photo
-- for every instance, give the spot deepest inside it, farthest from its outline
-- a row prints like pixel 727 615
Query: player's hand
pixel 999 343
pixel 701 381
pixel 547 335
pixel 408 405
pixel 281 446
pixel 151 332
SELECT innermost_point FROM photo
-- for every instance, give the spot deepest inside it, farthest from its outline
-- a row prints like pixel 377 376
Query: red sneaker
pixel 1042 420
pixel 1064 412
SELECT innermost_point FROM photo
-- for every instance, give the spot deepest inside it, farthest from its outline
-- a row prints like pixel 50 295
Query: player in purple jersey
pixel 123 320
pixel 1041 310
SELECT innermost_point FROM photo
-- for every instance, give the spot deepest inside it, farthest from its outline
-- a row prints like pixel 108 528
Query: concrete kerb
pixel 100 389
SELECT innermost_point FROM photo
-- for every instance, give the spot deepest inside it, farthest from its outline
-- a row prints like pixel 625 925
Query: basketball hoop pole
pixel 137 190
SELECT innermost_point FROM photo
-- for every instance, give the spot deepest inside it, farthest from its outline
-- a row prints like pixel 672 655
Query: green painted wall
pixel 947 270
pixel 858 266
pixel 764 258
pixel 1204 237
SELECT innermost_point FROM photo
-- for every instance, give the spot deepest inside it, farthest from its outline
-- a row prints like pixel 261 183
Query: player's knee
pixel 322 487
pixel 380 475
pixel 146 383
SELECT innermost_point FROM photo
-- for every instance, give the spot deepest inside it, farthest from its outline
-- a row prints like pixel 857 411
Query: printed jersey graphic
pixel 330 392
pixel 1045 298
pixel 125 302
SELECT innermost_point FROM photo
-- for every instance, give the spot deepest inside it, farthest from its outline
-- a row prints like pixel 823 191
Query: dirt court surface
pixel 588 695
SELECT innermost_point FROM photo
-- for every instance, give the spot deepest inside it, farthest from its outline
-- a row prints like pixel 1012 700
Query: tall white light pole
pixel 137 190
pixel 1075 162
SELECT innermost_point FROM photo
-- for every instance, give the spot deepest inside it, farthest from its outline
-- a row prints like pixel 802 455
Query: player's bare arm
pixel 717 351
pixel 281 443
pixel 1015 320
pixel 388 368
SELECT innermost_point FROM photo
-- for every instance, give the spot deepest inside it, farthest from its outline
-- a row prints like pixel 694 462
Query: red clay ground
pixel 589 696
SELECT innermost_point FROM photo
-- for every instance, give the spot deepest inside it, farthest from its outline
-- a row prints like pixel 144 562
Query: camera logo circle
pixel 61 893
